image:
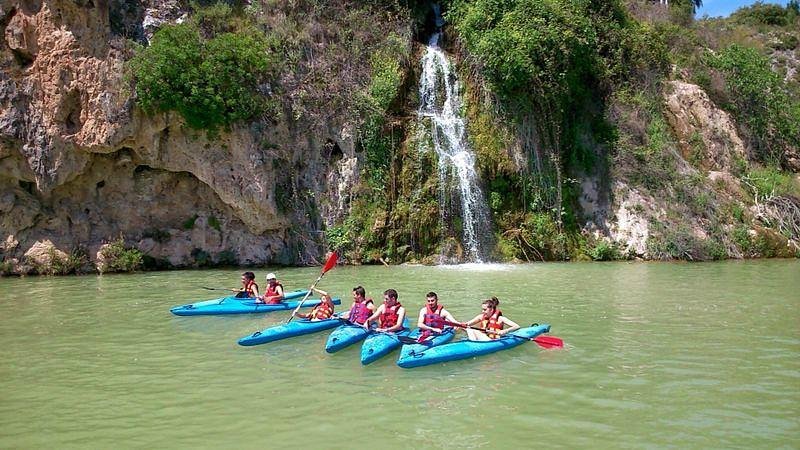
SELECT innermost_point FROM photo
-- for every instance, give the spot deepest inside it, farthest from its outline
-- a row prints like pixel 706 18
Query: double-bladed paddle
pixel 328 266
pixel 542 341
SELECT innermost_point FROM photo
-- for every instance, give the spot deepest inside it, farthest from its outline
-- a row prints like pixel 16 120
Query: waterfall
pixel 440 107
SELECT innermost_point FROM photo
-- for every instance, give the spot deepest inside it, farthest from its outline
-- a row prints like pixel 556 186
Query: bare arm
pixel 512 326
pixel 421 320
pixel 474 320
pixel 373 316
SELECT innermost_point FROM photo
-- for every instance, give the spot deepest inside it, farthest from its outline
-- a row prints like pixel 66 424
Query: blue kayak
pixel 467 349
pixel 346 335
pixel 432 341
pixel 233 305
pixel 378 345
pixel 349 334
pixel 294 328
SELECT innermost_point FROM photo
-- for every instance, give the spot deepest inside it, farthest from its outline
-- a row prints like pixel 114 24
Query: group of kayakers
pixel 389 315
pixel 432 319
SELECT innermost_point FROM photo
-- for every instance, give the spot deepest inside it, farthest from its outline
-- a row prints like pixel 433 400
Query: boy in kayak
pixel 323 311
pixel 274 293
pixel 390 314
pixel 492 320
pixel 361 308
pixel 249 287
pixel 433 315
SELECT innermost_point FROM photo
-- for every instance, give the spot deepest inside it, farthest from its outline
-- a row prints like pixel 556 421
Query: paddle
pixel 219 289
pixel 328 266
pixel 542 341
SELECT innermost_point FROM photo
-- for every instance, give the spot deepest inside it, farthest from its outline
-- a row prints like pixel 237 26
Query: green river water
pixel 658 355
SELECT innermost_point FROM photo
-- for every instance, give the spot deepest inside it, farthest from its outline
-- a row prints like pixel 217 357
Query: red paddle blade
pixel 331 262
pixel 548 341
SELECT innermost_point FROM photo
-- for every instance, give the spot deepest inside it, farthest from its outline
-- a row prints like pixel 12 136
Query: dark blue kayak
pixel 378 345
pixel 233 305
pixel 349 334
pixel 432 341
pixel 466 349
pixel 294 328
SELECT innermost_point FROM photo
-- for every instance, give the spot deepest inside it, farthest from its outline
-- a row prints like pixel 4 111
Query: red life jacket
pixel 248 288
pixel 272 291
pixel 492 323
pixel 433 317
pixel 359 313
pixel 389 317
pixel 321 312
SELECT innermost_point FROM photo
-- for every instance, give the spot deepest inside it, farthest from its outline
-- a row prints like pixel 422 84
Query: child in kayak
pixel 323 311
pixel 492 320
pixel 249 287
pixel 361 308
pixel 433 315
pixel 274 292
pixel 390 314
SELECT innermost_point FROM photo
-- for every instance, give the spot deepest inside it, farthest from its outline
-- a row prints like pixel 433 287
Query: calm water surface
pixel 658 355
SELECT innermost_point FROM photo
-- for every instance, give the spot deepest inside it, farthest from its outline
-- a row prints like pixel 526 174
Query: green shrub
pixel 117 258
pixel 77 261
pixel 762 14
pixel 769 181
pixel 340 237
pixel 210 82
pixel 605 251
pixel 761 101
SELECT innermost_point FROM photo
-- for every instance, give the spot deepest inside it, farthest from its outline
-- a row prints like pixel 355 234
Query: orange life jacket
pixel 321 312
pixel 492 323
pixel 248 288
pixel 389 317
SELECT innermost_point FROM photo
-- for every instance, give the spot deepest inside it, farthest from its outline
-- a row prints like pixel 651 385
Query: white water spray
pixel 440 105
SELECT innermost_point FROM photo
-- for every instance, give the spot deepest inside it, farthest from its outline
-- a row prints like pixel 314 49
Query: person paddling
pixel 323 311
pixel 390 314
pixel 492 320
pixel 361 308
pixel 274 293
pixel 433 315
pixel 249 287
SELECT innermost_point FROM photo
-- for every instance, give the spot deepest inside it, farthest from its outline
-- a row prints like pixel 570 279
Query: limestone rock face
pixel 81 166
pixel 705 133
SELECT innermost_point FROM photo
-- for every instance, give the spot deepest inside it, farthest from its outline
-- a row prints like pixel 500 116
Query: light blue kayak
pixel 344 336
pixel 378 345
pixel 466 348
pixel 349 334
pixel 409 350
pixel 294 328
pixel 233 305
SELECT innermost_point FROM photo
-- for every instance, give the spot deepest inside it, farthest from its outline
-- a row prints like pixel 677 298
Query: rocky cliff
pixel 81 166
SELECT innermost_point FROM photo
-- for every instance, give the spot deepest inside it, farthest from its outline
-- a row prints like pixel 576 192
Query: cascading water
pixel 440 106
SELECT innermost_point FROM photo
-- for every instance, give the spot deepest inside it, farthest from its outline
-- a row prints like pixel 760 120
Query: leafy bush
pixel 761 101
pixel 117 258
pixel 769 181
pixel 210 82
pixel 605 251
pixel 761 13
